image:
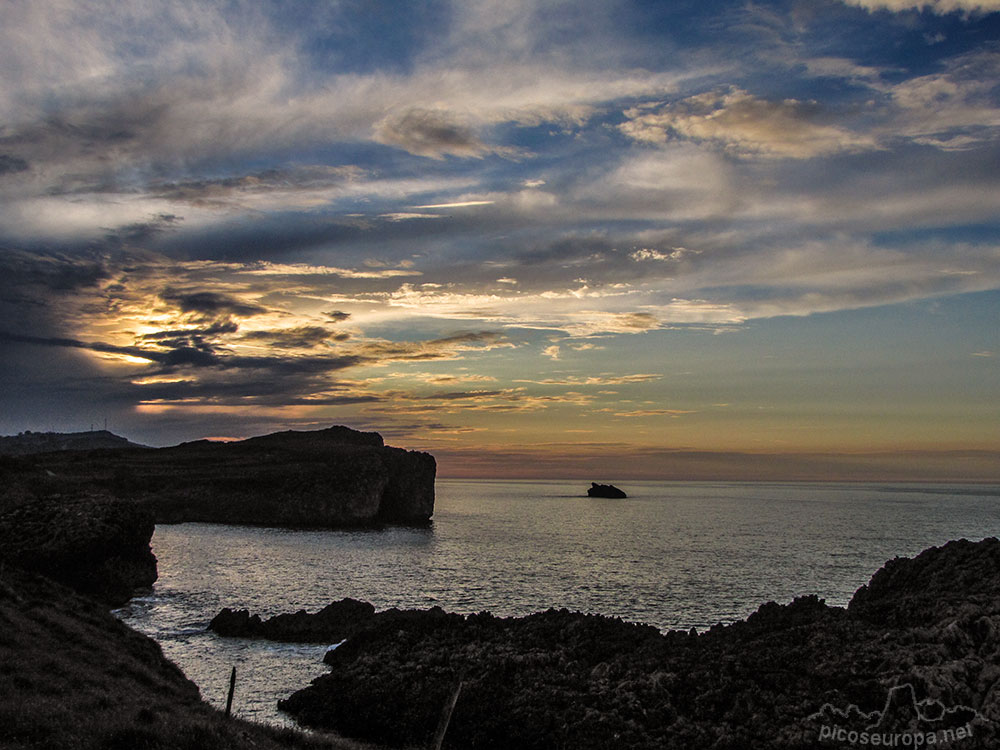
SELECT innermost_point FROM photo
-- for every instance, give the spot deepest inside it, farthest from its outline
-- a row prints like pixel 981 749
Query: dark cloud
pixel 197 357
pixel 210 303
pixel 337 315
pixel 56 272
pixel 430 133
pixel 164 337
pixel 227 388
pixel 142 231
pixel 301 337
pixel 182 356
pixel 12 164
pixel 227 191
pixel 94 346
pixel 275 366
pixel 568 250
pixel 460 395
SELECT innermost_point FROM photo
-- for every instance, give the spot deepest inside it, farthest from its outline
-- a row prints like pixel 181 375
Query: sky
pixel 535 238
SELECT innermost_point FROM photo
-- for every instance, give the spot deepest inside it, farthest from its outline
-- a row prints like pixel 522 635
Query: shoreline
pixel 561 678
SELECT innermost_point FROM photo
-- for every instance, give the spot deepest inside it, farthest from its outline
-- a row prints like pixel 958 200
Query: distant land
pixel 29 442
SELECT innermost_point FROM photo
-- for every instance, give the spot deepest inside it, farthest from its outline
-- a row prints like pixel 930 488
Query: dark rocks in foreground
pixel 605 490
pixel 331 624
pixel 325 478
pixel 917 651
pixel 97 546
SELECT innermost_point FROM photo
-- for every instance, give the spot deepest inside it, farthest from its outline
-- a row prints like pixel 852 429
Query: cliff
pixel 97 546
pixel 916 653
pixel 326 478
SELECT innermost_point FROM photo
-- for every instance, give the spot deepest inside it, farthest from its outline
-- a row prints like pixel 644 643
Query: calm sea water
pixel 674 555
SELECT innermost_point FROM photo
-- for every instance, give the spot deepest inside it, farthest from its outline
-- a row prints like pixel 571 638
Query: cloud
pixel 448 378
pixel 577 380
pixel 297 337
pixel 934 6
pixel 265 268
pixel 210 303
pixel 272 189
pixel 952 110
pixel 645 253
pixel 12 164
pixel 744 125
pixel 378 351
pixel 638 413
pixel 429 133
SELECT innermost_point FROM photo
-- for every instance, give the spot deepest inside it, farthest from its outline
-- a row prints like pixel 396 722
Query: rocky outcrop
pixel 326 478
pixel 940 583
pixel 332 624
pixel 605 490
pixel 97 546
pixel 916 652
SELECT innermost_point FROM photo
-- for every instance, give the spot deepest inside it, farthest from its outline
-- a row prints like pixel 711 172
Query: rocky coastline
pixel 71 674
pixel 916 652
pixel 75 531
pixel 332 478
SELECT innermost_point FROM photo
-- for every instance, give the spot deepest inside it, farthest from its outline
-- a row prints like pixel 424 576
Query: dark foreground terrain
pixel 914 660
pixel 72 677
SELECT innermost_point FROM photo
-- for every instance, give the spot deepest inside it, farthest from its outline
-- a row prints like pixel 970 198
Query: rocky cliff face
pixel 97 546
pixel 327 478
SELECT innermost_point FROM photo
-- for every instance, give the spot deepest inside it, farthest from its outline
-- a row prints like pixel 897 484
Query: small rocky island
pixel 916 651
pixel 605 490
pixel 337 477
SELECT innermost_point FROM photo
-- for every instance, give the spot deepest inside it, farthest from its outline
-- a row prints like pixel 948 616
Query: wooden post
pixel 232 688
pixel 446 717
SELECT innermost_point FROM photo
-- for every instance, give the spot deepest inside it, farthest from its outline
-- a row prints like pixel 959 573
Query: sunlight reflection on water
pixel 674 555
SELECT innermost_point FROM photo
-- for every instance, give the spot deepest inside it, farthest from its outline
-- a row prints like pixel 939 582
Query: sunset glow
pixel 533 238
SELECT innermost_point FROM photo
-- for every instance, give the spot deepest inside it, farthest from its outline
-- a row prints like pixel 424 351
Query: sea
pixel 676 555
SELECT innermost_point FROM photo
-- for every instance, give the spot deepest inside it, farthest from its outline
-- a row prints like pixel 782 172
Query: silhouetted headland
pixel 325 478
pixel 605 490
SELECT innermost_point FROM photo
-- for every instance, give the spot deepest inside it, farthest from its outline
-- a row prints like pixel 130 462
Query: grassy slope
pixel 72 676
